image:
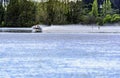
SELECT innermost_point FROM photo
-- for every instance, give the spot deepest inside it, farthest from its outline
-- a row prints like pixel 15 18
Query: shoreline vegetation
pixel 26 13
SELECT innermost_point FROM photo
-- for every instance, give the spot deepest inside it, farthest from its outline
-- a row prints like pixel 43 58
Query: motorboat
pixel 36 28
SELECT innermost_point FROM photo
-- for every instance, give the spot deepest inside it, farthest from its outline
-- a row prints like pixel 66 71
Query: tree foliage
pixel 2 10
pixel 75 12
pixel 106 9
pixel 12 13
pixel 27 13
pixel 20 13
pixel 94 11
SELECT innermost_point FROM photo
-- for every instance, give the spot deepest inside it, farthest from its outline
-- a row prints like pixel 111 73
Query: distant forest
pixel 26 13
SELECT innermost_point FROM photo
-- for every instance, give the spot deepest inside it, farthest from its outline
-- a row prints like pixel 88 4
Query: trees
pixel 1 14
pixel 50 12
pixel 27 16
pixel 94 11
pixel 29 12
pixel 41 13
pixel 12 13
pixel 75 12
pixel 60 11
pixel 56 12
pixel 106 9
pixel 20 13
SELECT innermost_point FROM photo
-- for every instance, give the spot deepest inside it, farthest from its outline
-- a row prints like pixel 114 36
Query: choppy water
pixel 59 55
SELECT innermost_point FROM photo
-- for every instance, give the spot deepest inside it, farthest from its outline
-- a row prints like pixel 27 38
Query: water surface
pixel 31 55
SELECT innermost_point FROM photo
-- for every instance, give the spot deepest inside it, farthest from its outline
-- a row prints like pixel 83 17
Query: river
pixel 43 55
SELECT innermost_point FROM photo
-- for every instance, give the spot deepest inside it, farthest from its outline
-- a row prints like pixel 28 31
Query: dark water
pixel 59 55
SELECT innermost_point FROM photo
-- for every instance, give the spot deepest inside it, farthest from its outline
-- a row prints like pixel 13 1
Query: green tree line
pixel 26 13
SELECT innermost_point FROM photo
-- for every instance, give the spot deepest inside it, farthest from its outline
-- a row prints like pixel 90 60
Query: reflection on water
pixel 59 55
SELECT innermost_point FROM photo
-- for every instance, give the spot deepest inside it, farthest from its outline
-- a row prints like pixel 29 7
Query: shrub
pixel 88 19
pixel 99 21
pixel 3 23
pixel 107 19
pixel 115 18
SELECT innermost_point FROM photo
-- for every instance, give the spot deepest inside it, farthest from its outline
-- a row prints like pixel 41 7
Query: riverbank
pixel 68 29
pixel 81 29
pixel 16 30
